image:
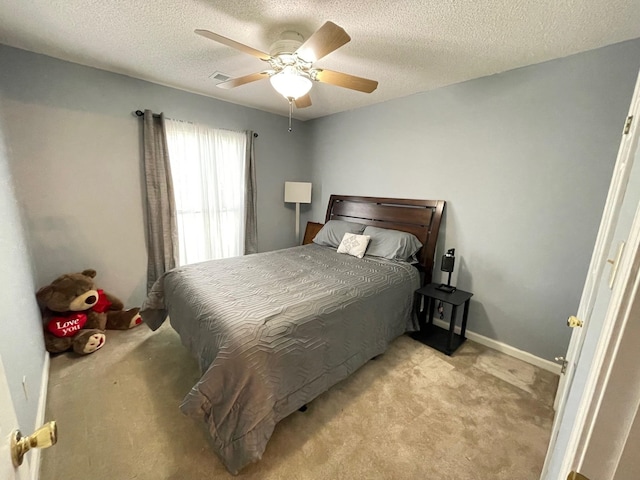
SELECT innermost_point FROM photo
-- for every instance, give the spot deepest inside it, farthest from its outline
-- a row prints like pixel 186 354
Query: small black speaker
pixel 448 261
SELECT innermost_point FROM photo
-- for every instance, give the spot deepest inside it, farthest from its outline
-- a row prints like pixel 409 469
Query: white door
pixel 614 230
pixel 8 423
pixel 610 436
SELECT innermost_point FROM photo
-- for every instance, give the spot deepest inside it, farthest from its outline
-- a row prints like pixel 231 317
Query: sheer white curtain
pixel 208 170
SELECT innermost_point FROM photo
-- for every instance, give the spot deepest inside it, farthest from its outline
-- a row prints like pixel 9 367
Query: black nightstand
pixel 447 341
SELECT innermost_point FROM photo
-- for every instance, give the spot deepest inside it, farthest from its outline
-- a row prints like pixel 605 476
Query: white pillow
pixel 354 244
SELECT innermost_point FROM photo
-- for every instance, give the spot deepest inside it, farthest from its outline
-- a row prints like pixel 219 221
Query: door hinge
pixel 563 362
pixel 627 125
pixel 576 476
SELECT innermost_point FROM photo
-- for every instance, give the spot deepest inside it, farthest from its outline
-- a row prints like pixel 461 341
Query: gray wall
pixel 21 345
pixel 76 156
pixel 74 149
pixel 523 159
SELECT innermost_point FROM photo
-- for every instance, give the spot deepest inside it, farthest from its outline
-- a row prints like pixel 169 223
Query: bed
pixel 272 331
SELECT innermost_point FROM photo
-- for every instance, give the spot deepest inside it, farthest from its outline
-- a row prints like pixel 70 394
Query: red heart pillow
pixel 68 325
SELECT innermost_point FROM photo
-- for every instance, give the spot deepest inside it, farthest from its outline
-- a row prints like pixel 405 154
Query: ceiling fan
pixel 291 60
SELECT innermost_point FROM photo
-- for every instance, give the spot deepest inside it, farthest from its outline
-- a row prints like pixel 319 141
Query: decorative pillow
pixel 392 244
pixel 354 244
pixel 333 232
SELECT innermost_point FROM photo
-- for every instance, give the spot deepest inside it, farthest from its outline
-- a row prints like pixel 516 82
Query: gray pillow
pixel 333 231
pixel 392 244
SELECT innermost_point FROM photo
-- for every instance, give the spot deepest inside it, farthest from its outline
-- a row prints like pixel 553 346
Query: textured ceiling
pixel 408 46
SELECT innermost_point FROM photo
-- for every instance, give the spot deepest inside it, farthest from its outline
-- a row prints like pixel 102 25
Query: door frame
pixel 614 405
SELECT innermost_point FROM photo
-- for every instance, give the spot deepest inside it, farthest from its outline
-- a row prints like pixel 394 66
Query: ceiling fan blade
pixel 347 81
pixel 233 44
pixel 236 82
pixel 326 39
pixel 303 102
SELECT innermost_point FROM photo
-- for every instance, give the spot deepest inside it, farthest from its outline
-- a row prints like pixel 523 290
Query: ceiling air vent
pixel 219 77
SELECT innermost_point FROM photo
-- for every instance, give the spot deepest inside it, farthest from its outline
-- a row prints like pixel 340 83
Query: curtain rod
pixel 140 113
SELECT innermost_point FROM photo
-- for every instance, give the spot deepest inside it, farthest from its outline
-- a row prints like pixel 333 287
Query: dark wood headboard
pixel 419 217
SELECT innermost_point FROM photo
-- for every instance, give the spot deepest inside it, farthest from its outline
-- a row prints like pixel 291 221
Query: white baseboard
pixel 504 348
pixel 34 461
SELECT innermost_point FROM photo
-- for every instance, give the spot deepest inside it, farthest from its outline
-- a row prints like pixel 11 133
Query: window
pixel 208 171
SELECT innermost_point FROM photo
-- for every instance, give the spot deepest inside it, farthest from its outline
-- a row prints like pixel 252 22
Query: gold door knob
pixel 44 437
pixel 574 322
pixel 576 476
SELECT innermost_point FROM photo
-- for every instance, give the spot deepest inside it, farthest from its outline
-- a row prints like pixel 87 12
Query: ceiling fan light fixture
pixel 291 83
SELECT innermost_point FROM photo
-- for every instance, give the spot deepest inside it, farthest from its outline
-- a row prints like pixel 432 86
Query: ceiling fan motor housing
pixel 286 45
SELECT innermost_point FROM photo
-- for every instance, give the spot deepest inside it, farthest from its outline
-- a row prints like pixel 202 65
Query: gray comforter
pixel 274 330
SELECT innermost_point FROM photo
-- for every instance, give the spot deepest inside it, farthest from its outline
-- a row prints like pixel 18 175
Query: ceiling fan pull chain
pixel 290 113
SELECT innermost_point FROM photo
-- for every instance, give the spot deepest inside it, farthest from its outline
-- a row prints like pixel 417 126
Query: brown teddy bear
pixel 76 313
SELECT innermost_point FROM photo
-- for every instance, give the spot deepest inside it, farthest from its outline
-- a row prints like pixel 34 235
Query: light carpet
pixel 413 413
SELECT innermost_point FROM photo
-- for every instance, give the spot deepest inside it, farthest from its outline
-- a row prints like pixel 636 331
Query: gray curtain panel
pixel 162 227
pixel 250 199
